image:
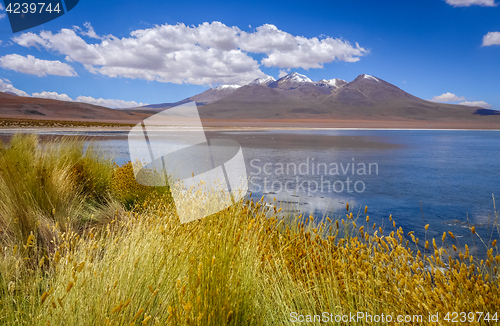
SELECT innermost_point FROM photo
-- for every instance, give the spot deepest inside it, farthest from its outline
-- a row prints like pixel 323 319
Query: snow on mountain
pixel 227 87
pixel 263 81
pixel 330 83
pixel 214 94
pixel 291 81
pixel 370 77
pixel 295 78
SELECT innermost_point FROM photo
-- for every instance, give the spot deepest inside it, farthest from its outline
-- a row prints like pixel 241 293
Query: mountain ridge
pixel 362 92
pixel 366 97
pixel 293 100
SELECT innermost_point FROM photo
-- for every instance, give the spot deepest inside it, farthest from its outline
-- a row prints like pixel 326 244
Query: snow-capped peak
pixel 371 78
pixel 231 87
pixel 329 82
pixel 263 81
pixel 296 78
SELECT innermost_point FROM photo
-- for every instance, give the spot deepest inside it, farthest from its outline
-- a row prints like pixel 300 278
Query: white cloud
pixel 209 53
pixel 450 97
pixel 482 104
pixel 34 66
pixel 447 97
pixel 287 51
pixel 468 3
pixel 53 96
pixel 108 102
pixel 2 8
pixel 6 86
pixel 90 31
pixel 282 73
pixel 492 38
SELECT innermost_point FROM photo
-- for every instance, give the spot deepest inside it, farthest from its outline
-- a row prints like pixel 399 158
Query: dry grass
pixel 14 122
pixel 247 265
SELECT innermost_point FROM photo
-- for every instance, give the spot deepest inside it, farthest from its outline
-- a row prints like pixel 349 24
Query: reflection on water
pixel 444 178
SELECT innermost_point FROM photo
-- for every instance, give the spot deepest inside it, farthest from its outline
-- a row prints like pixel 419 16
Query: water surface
pixel 444 178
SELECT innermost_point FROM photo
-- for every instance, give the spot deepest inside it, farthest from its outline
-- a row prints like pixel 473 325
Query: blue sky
pixel 159 51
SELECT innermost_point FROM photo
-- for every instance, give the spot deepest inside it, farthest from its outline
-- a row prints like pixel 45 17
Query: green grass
pixel 134 263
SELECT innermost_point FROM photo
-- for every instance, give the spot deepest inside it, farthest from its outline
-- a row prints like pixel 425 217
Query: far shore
pixel 30 125
pixel 219 128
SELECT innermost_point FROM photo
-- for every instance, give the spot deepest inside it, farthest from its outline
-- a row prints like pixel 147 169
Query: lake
pixel 445 178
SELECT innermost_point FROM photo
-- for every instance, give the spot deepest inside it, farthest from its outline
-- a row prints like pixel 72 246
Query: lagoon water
pixel 445 178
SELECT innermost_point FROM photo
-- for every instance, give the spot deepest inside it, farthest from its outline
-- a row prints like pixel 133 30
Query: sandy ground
pixel 353 124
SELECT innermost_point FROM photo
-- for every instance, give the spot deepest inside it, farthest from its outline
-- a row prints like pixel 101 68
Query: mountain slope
pixel 208 96
pixel 297 97
pixel 13 106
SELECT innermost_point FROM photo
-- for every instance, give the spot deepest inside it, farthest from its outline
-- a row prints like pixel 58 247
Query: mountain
pixel 331 83
pixel 208 96
pixel 296 97
pixel 295 84
pixel 13 106
pixel 263 81
pixel 291 81
pixel 214 94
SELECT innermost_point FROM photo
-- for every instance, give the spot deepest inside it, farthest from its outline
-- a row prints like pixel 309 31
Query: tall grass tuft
pixel 51 186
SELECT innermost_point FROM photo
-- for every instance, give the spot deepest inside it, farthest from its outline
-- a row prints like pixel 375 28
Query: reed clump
pixel 50 186
pixel 250 264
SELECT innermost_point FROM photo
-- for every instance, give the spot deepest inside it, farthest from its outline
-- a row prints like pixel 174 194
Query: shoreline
pixel 234 128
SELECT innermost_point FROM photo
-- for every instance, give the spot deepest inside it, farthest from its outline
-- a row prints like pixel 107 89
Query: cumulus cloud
pixel 90 31
pixel 282 73
pixel 109 102
pixel 482 104
pixel 492 38
pixel 450 97
pixel 205 54
pixel 287 51
pixel 6 86
pixel 447 97
pixel 53 96
pixel 34 66
pixel 468 3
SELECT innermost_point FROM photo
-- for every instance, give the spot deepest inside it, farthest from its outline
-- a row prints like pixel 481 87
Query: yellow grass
pixel 247 265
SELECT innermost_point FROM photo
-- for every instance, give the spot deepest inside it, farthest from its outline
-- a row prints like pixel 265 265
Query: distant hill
pixel 13 106
pixel 208 96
